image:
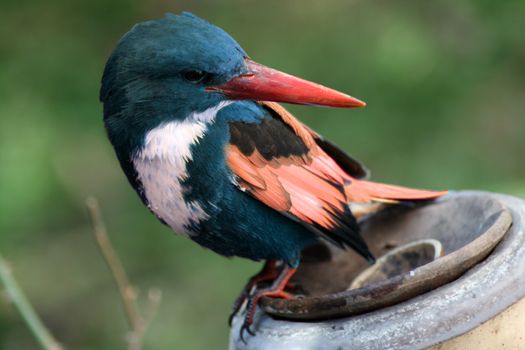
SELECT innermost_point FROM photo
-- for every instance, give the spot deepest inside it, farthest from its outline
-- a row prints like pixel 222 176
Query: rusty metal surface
pixel 442 313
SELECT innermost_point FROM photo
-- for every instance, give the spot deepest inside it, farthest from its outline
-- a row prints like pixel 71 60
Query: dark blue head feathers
pixel 159 71
pixel 171 45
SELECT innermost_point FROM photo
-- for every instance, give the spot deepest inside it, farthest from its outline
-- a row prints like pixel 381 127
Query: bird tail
pixel 361 191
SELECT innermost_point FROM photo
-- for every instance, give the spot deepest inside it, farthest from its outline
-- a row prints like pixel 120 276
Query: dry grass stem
pixel 138 324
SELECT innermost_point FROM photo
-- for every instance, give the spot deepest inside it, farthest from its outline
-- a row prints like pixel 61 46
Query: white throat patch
pixel 161 167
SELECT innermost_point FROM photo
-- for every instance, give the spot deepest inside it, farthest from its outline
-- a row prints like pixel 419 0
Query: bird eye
pixel 195 76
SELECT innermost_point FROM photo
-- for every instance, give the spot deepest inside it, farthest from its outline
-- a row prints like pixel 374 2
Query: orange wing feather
pixel 310 186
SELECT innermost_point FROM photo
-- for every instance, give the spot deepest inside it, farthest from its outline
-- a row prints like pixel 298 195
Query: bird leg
pixel 276 290
pixel 268 273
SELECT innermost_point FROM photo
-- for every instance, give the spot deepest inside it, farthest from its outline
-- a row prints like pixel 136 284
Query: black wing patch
pixel 271 137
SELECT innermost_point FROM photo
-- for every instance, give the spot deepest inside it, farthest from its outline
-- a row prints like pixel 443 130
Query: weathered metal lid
pixel 430 296
pixel 466 228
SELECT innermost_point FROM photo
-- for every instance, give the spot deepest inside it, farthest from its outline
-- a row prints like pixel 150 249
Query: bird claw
pixel 246 328
pixel 251 307
pixel 274 291
pixel 268 273
pixel 237 305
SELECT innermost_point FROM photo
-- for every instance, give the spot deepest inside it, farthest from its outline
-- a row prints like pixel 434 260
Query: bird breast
pixel 161 166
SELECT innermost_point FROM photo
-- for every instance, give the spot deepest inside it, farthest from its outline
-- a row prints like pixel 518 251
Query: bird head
pixel 166 69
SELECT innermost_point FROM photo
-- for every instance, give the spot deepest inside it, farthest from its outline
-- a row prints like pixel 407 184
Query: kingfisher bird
pixel 198 131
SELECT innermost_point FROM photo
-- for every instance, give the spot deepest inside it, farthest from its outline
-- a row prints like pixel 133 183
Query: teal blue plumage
pixel 239 225
pixel 143 87
pixel 196 128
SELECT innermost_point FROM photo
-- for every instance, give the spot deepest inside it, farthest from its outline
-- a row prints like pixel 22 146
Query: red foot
pixel 268 273
pixel 276 290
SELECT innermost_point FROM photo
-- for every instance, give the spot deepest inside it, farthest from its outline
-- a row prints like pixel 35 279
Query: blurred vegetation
pixel 445 87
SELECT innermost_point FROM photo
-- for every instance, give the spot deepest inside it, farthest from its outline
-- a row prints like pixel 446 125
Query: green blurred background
pixel 445 86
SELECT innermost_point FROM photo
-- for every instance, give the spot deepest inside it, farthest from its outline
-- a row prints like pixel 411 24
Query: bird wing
pixel 280 162
pixel 292 169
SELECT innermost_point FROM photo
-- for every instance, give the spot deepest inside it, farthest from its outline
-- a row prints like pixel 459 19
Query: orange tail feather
pixel 361 191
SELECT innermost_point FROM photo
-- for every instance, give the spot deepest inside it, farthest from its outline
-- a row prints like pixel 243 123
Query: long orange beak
pixel 262 83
